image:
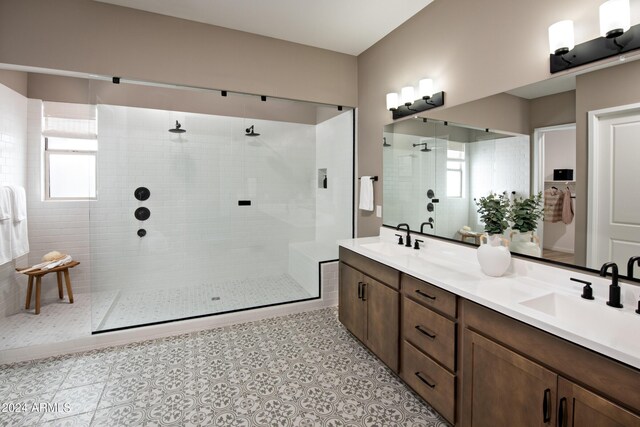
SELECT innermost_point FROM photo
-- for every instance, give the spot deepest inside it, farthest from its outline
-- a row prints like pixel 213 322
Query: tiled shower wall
pixel 197 232
pixel 13 170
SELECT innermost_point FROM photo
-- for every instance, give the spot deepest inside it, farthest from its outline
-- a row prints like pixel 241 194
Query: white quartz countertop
pixel 538 294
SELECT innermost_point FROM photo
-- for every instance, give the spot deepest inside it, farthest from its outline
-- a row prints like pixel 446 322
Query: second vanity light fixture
pixel 617 37
pixel 407 103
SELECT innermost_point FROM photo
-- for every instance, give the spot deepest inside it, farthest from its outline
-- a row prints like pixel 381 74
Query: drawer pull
pixel 424 380
pixel 426 332
pixel 426 295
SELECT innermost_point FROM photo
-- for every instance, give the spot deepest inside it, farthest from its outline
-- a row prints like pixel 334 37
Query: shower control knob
pixel 142 214
pixel 142 193
pixel 142 232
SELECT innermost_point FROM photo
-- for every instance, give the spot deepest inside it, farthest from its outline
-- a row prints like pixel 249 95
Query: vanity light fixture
pixel 406 103
pixel 617 37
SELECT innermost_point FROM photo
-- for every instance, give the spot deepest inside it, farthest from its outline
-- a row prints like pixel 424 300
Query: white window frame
pixel 47 186
pixel 461 171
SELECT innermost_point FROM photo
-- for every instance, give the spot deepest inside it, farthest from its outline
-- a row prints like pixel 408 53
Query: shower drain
pixel 215 298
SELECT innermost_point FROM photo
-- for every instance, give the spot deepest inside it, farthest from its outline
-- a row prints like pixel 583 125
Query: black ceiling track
pixel 418 106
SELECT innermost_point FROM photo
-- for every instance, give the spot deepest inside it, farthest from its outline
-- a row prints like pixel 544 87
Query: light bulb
pixel 614 18
pixel 561 38
pixel 425 88
pixel 407 95
pixel 392 101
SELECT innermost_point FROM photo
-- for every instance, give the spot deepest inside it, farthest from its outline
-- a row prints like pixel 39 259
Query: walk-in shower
pixel 229 224
pixel 232 219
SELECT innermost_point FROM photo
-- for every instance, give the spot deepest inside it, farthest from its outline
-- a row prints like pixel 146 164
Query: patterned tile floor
pixel 298 370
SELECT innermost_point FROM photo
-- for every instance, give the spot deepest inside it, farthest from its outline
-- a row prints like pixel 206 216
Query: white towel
pixel 63 261
pixel 19 235
pixel 366 193
pixel 18 203
pixel 5 226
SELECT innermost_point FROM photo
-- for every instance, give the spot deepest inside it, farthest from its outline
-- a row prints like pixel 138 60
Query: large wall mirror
pixel 553 138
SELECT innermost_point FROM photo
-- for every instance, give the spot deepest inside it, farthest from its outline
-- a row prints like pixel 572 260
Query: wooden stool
pixel 470 235
pixel 37 274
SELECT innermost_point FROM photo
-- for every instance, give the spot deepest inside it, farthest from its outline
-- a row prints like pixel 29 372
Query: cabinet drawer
pixel 429 380
pixel 429 295
pixel 387 275
pixel 430 332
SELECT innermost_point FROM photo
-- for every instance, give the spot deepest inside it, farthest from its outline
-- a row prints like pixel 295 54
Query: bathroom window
pixel 455 169
pixel 70 151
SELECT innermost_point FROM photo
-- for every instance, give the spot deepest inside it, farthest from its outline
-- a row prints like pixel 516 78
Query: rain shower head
pixel 177 129
pixel 425 149
pixel 250 132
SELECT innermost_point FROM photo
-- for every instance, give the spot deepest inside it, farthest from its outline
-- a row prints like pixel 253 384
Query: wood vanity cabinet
pixel 368 307
pixel 428 349
pixel 514 374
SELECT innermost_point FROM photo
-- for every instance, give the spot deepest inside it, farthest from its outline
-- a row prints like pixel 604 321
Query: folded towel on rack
pixel 19 234
pixel 366 193
pixel 18 203
pixel 553 205
pixel 567 206
pixel 5 226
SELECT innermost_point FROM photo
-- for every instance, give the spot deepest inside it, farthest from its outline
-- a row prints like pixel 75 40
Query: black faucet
pixel 632 260
pixel 614 288
pixel 408 241
pixel 430 224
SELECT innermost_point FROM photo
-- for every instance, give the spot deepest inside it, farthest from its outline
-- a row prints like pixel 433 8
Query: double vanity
pixel 520 350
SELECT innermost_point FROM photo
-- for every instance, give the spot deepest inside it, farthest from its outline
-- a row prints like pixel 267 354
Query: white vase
pixel 493 255
pixel 525 243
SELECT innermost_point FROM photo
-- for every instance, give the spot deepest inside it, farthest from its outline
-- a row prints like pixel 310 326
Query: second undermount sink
pixel 574 313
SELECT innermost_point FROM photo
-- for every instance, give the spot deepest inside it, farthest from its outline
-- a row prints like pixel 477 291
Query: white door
pixel 614 186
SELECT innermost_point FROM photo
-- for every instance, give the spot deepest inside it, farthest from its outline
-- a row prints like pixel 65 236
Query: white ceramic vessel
pixel 493 255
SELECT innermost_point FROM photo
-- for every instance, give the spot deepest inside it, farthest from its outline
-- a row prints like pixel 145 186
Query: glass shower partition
pixel 228 215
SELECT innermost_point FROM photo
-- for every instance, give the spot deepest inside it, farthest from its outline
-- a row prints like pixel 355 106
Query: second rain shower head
pixel 177 129
pixel 250 132
pixel 425 149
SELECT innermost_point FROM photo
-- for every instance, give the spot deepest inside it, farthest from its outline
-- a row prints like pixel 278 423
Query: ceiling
pixel 347 26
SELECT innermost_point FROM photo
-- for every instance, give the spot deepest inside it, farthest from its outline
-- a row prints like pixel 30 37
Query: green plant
pixel 525 213
pixel 494 210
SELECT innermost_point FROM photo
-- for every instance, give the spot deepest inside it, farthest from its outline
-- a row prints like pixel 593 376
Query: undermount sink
pixel 388 249
pixel 574 313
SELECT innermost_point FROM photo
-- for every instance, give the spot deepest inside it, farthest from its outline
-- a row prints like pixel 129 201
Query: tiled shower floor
pixel 298 370
pixel 140 307
pixel 61 321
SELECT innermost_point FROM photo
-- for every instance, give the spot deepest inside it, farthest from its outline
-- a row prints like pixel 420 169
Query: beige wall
pixel 92 37
pixel 15 80
pixel 469 49
pixel 552 110
pixel 595 91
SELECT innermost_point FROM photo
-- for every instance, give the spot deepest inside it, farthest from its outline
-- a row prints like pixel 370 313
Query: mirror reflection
pixel 436 172
pixel 565 149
